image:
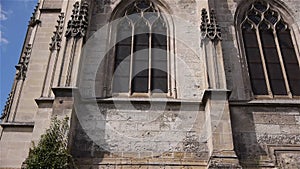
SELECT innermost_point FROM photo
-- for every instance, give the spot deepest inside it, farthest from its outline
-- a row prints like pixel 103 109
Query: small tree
pixel 51 151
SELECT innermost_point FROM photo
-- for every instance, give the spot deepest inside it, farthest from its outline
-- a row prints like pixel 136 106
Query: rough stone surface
pixel 196 126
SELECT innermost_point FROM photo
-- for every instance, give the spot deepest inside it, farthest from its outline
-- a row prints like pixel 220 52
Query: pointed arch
pixel 142 58
pixel 266 36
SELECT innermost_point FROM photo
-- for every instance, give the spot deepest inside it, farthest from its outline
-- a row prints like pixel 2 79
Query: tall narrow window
pixel 141 50
pixel 271 57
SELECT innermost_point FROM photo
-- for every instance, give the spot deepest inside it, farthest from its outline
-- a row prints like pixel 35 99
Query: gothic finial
pixel 22 66
pixel 214 30
pixel 83 15
pixel 7 106
pixel 57 37
pixel 204 23
pixel 209 28
pixel 33 20
pixel 78 23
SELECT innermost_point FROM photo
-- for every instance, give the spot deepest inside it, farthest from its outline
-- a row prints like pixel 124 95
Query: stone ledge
pixel 17 124
pixel 140 162
pixel 65 91
pixel 50 10
pixel 44 102
pixel 216 94
pixel 275 102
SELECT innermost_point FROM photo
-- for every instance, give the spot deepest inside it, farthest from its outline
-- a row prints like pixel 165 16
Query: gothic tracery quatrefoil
pixel 260 15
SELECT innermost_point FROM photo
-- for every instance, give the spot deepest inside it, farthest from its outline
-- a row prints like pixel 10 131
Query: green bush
pixel 51 151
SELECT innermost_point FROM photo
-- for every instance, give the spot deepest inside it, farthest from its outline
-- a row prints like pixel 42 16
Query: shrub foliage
pixel 51 151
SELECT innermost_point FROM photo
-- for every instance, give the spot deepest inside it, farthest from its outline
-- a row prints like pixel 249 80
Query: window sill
pixel 267 102
pixel 142 95
pixel 141 100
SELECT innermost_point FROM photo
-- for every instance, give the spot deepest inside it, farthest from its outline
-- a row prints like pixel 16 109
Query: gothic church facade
pixel 160 83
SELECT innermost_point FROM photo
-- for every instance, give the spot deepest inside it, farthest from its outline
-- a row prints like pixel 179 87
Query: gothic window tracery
pixel 272 59
pixel 141 57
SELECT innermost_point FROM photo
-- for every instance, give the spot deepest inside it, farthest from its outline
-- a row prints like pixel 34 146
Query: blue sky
pixel 14 17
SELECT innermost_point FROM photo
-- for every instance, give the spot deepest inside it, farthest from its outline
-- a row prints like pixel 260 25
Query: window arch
pixel 271 53
pixel 141 54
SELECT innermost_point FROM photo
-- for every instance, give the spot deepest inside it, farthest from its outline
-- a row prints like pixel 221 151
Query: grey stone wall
pixel 255 128
pixel 135 132
pixel 140 130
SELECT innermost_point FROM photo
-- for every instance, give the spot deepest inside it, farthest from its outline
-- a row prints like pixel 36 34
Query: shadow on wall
pixel 233 62
pixel 244 133
pixel 245 138
pixel 87 151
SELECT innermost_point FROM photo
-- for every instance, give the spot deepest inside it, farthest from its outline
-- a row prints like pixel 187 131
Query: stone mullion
pixel 150 61
pixel 172 64
pixel 282 64
pixel 262 56
pixel 296 46
pixel 168 64
pixel 109 59
pixel 131 60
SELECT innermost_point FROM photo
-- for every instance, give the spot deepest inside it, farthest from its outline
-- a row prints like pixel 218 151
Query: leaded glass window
pixel 141 61
pixel 272 60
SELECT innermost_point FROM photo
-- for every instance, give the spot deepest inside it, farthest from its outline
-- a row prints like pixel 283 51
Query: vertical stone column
pixel 76 31
pixel 55 47
pixel 220 141
pixel 211 37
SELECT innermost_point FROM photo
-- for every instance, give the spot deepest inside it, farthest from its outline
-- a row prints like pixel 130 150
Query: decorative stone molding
pixel 7 106
pixel 57 37
pixel 209 27
pixel 204 23
pixel 22 66
pixel 278 139
pixel 262 15
pixel 33 20
pixel 78 23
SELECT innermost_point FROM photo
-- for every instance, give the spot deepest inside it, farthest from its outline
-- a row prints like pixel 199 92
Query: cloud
pixel 2 39
pixel 3 17
pixel 3 14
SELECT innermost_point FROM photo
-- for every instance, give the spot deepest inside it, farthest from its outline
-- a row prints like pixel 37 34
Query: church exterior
pixel 160 83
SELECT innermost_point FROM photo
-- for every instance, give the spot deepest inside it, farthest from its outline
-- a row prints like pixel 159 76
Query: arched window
pixel 272 59
pixel 141 57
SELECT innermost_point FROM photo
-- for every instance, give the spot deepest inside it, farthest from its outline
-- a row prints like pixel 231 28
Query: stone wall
pixel 140 131
pixel 256 128
pixel 188 129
